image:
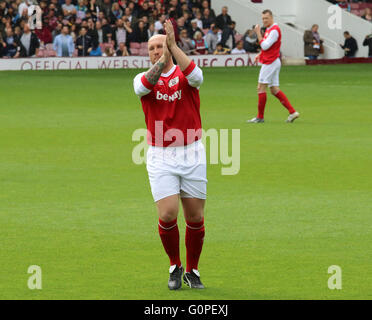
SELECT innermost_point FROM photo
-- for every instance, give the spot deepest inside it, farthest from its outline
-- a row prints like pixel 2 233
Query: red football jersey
pixel 172 106
pixel 273 52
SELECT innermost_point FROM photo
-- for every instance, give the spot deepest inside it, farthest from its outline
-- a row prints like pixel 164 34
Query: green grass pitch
pixel 73 202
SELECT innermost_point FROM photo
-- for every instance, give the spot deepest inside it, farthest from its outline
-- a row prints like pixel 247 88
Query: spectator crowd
pixel 115 28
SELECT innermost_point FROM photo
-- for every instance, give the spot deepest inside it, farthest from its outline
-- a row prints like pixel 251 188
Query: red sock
pixel 262 97
pixel 285 102
pixel 170 238
pixel 194 243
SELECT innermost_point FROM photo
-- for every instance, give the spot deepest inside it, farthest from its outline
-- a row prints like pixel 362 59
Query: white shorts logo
pixel 165 97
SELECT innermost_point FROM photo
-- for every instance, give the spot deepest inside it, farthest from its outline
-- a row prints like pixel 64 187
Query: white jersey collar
pixel 165 75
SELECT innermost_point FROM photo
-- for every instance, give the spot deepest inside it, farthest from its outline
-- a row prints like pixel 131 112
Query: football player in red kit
pixel 176 159
pixel 269 75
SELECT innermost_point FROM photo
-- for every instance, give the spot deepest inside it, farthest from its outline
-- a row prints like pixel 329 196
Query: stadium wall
pixel 302 14
pixel 85 63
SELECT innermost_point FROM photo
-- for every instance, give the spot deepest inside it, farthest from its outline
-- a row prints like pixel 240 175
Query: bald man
pixel 176 159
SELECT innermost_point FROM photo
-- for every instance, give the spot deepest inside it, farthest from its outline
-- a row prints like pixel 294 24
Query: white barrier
pixel 85 63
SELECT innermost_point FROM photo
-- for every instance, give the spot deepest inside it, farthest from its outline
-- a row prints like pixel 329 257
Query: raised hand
pixel 171 39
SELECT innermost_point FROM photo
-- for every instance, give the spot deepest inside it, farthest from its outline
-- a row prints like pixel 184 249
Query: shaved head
pixel 155 47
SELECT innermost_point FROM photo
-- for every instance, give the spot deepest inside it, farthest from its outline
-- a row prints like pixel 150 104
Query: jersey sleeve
pixel 141 85
pixel 194 75
pixel 271 39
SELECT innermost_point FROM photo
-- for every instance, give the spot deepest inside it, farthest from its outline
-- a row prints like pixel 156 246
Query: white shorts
pixel 178 170
pixel 269 73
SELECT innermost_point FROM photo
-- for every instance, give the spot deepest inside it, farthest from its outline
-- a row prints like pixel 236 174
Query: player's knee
pixel 195 215
pixel 274 90
pixel 168 215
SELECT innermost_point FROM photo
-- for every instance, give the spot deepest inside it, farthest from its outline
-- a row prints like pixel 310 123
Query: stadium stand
pixel 108 23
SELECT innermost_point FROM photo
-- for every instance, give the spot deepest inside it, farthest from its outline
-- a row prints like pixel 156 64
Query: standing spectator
pixel 120 33
pixel 122 51
pixel 223 20
pixel 350 46
pixel 312 43
pixel 29 42
pixel 368 43
pixel 239 49
pixel 228 36
pixel 200 45
pixel 84 43
pixel 367 15
pixel 63 43
pixel 93 9
pixel 107 31
pixel 211 39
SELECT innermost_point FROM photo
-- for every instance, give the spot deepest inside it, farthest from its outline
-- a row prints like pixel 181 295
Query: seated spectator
pixel 63 43
pixel 228 35
pixel 29 43
pixel 10 44
pixel 312 43
pixel 223 20
pixel 122 51
pixel 109 52
pixel 199 21
pixel 185 43
pixel 116 12
pixel 350 46
pixel 251 42
pixel 200 45
pixel 207 19
pixel 206 6
pixel 194 28
pixel 96 49
pixel 211 39
pixel 68 9
pixel 368 43
pixel 81 10
pixel 367 15
pixel 84 43
pixel 140 32
pixel 239 49
pixel 151 30
pixel 159 24
pixel 221 50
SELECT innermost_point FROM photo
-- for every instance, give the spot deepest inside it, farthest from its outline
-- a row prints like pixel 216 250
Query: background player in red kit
pixel 269 75
pixel 176 160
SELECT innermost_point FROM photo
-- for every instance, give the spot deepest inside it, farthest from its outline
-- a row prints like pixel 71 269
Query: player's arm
pixel 192 72
pixel 144 82
pixel 270 40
